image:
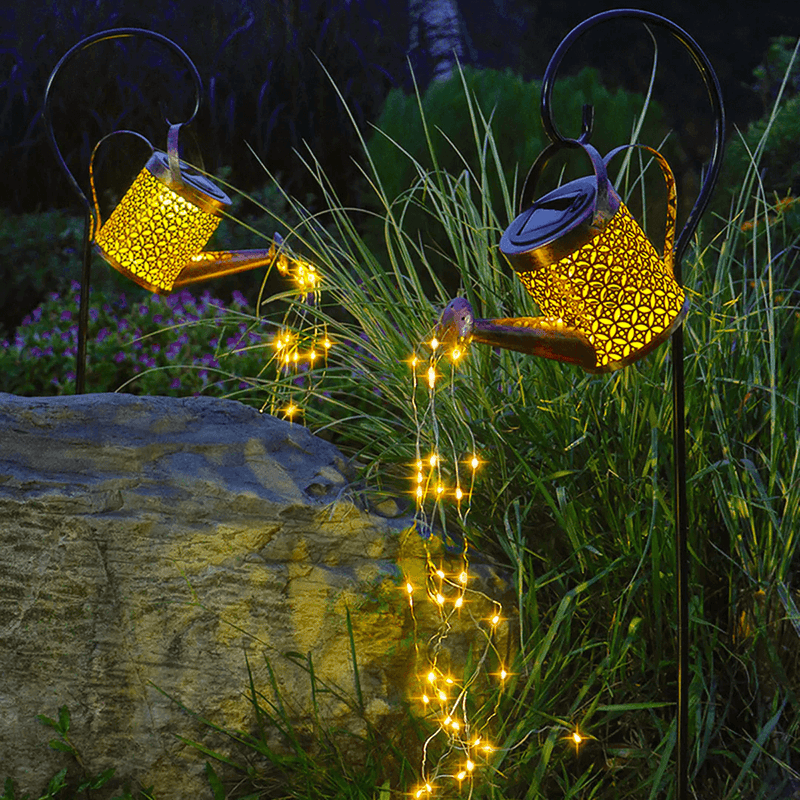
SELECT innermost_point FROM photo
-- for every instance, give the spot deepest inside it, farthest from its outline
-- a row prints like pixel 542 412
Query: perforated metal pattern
pixel 153 233
pixel 615 289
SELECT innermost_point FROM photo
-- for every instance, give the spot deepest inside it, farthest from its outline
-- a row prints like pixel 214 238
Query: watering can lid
pixel 194 185
pixel 551 216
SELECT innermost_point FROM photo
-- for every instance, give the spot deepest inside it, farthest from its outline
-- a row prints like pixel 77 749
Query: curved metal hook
pixel 113 33
pixel 712 85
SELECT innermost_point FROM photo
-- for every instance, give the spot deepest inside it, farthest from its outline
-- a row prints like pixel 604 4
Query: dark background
pixel 262 66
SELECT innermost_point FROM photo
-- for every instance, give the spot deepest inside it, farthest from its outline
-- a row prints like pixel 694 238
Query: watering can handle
pixel 103 36
pixel 603 210
pixel 95 216
pixel 672 199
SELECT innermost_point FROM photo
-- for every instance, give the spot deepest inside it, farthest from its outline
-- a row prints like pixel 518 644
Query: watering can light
pixel 607 297
pixel 156 234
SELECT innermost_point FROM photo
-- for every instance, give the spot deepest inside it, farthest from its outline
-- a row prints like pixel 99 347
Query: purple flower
pixel 176 383
pixel 102 334
pixel 66 316
pixel 143 309
pixel 119 357
pixel 239 299
pixel 94 314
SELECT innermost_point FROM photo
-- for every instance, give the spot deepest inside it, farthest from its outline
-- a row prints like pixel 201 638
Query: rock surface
pixel 152 548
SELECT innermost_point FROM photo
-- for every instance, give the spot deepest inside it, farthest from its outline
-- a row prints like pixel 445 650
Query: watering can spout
pixel 216 264
pixel 546 337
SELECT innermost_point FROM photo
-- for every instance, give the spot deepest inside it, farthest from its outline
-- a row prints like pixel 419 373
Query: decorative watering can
pixel 156 234
pixel 606 296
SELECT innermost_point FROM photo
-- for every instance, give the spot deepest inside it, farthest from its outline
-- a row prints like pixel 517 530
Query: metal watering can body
pixel 606 296
pixel 156 234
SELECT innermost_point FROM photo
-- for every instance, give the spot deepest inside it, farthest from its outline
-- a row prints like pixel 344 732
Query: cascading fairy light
pixel 299 347
pixel 460 739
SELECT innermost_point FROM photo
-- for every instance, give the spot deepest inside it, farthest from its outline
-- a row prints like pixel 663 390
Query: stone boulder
pixel 153 550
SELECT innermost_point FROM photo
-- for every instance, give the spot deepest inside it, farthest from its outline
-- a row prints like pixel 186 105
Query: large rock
pixel 150 548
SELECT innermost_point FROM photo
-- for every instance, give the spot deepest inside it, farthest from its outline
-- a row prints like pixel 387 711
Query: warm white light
pixel 440 573
pixel 409 588
pixel 463 577
pixel 431 677
pixel 434 343
pixel 459 601
pixel 474 463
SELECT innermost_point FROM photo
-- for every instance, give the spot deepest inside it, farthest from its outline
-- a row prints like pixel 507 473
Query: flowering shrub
pixel 176 345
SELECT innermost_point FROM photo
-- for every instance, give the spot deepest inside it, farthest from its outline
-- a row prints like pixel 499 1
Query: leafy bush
pixel 511 105
pixel 38 254
pixel 179 345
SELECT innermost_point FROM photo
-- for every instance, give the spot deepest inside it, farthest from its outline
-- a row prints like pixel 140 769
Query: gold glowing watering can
pixel 606 297
pixel 156 234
